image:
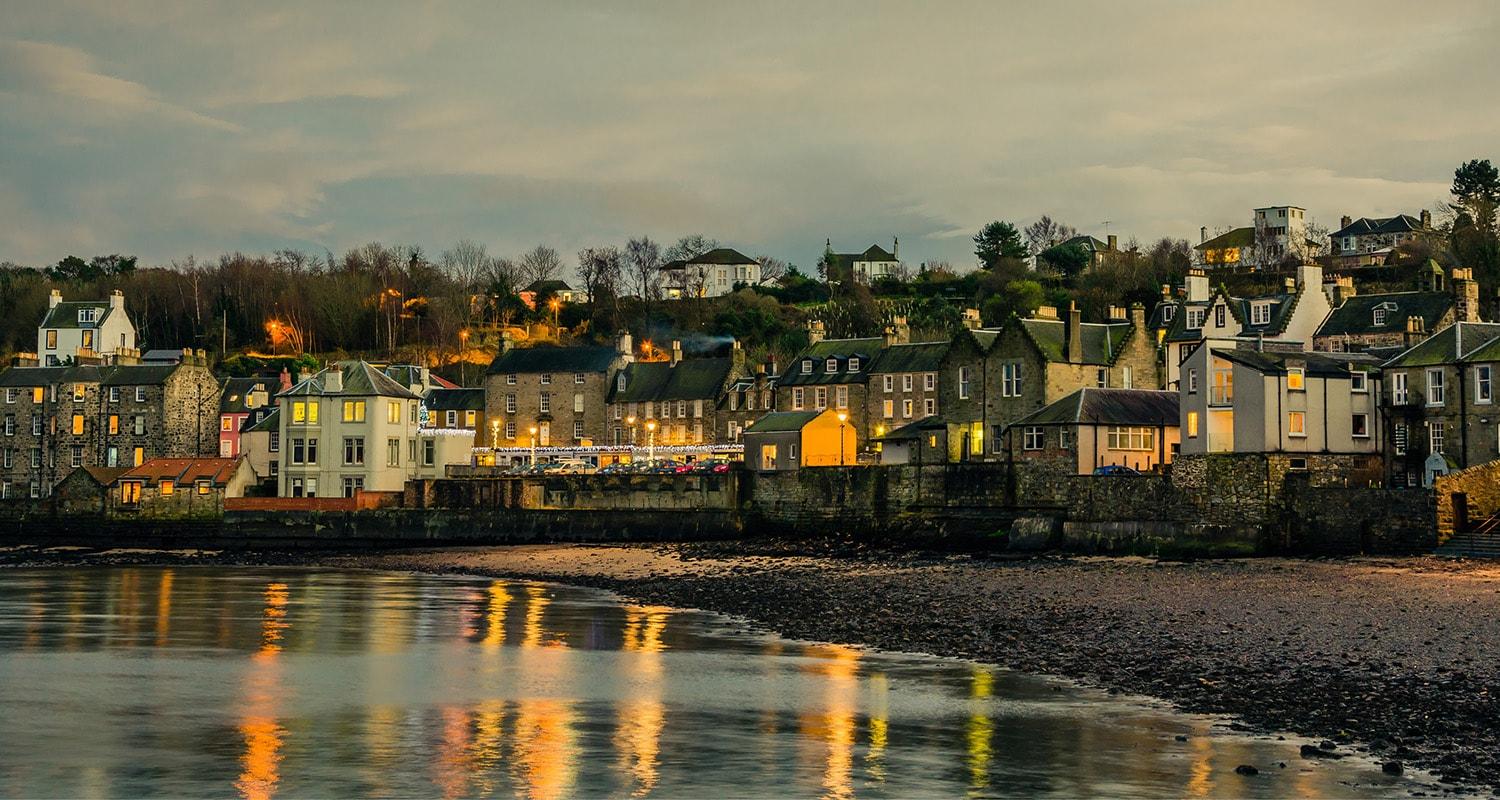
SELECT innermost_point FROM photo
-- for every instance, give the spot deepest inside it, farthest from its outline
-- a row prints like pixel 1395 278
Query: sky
pixel 165 129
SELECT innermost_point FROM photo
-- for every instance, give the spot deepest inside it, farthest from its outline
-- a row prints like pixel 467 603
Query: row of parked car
pixel 574 466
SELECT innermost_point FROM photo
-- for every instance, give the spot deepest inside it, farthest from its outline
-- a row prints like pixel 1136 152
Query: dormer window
pixel 1379 317
pixel 620 382
pixel 831 365
pixel 806 366
pixel 86 315
pixel 1168 313
pixel 854 363
pixel 1260 314
pixel 1195 317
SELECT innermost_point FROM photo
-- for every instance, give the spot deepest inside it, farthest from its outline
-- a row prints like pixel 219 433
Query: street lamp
pixel 651 440
pixel 555 306
pixel 494 434
pixel 463 349
pixel 533 445
pixel 843 417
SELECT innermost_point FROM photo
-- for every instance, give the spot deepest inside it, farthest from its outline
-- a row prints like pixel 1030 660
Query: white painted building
pixel 83 328
pixel 711 274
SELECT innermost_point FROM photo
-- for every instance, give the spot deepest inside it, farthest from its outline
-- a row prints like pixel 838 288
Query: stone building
pixel 747 399
pixel 57 419
pixel 180 488
pixel 1439 398
pixel 460 408
pixel 349 428
pixel 78 330
pixel 867 267
pixel 903 385
pixel 791 440
pixel 681 395
pixel 1371 240
pixel 559 391
pixel 1394 319
pixel 1093 428
pixel 1030 363
pixel 1263 401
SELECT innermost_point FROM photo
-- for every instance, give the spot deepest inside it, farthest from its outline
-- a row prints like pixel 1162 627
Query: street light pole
pixel 651 440
pixel 533 445
pixel 842 418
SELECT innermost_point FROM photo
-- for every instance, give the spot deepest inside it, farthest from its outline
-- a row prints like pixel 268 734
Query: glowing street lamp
pixel 555 304
pixel 533 445
pixel 651 440
pixel 630 423
pixel 843 417
pixel 494 434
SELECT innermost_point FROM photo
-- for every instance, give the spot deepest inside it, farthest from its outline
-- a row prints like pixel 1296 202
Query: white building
pixel 871 265
pixel 711 274
pixel 1280 231
pixel 83 328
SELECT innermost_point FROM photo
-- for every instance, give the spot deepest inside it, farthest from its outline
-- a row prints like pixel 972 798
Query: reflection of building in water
pixel 536 609
pixel 263 735
pixel 642 717
pixel 879 714
pixel 163 607
pixel 1201 773
pixel 545 752
pixel 979 730
pixel 494 618
pixel 835 726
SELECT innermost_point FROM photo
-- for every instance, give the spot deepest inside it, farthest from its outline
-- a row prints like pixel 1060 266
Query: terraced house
pixel 1439 398
pixel 1396 319
pixel 553 395
pixel 674 402
pixel 840 374
pixel 346 429
pixel 903 384
pixel 993 378
pixel 57 419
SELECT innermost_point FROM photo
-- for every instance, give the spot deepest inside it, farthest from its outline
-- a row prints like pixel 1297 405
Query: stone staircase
pixel 1481 541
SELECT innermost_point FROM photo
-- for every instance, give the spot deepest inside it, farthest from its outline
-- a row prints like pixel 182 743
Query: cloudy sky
pixel 169 129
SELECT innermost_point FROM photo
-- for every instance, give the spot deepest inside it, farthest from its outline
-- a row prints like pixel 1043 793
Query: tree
pixel 642 262
pixel 599 269
pixel 998 240
pixel 771 268
pixel 1045 233
pixel 690 246
pixel 1069 259
pixel 1476 193
pixel 540 264
pixel 466 262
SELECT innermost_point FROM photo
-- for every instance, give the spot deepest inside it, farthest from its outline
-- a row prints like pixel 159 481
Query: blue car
pixel 1115 469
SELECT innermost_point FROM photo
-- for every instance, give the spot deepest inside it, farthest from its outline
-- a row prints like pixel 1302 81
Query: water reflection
pixel 267 683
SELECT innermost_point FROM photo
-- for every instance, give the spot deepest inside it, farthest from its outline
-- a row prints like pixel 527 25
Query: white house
pixel 710 274
pixel 83 328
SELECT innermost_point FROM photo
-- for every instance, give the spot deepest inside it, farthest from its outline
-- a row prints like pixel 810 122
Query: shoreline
pixel 1383 655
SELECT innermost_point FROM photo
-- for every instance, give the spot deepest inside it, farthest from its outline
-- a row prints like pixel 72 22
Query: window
pixel 1398 438
pixel 352 484
pixel 797 395
pixel 1435 433
pixel 6 456
pixel 306 412
pixel 429 449
pixel 1296 423
pixel 1295 379
pixel 681 408
pixel 312 451
pixel 1360 426
pixel 820 398
pixel 1195 317
pixel 1101 378
pixel 963 383
pixel 78 390
pixel 294 487
pixel 1260 314
pixel 114 424
pixel 452 419
pixel 36 394
pixel 1010 379
pixel 1127 378
pixel 354 451
pixel 1378 317
pixel 1168 313
pixel 10 424
pixel 888 383
pixel 841 397
pixel 768 456
pixel 888 409
pixel 544 403
pixel 510 430
pixel 543 434
pixel 510 403
pixel 111 457
pixel 906 406
pixel 1359 382
pixel 139 456
pixel 929 406
pixel 77 424
pixel 546 379
pixel 578 429
pixel 299 451
pixel 806 366
pixel 140 397
pixel 854 363
pixel 51 340
pixel 907 382
pixel 77 456
pixel 275 445
pixel 1483 385
pixel 393 412
pixel 88 340
pixel 393 452
pixel 1130 437
pixel 1398 389
pixel 354 411
pixel 36 424
pixel 1192 384
pixel 1032 437
pixel 578 378
pixel 10 395
pixel 1219 315
pixel 470 417
pixel 1435 387
pixel 929 381
pixel 510 380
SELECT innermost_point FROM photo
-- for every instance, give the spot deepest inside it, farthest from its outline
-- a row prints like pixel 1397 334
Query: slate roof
pixel 105 476
pixel 138 374
pixel 1239 237
pixel 1357 315
pixel 411 374
pixel 113 375
pixel 838 349
pixel 875 253
pixel 271 423
pixel 1364 226
pixel 162 356
pixel 360 379
pixel 1091 406
pixel 913 430
pixel 1451 345
pixel 1272 362
pixel 913 357
pixel 1086 242
pixel 690 379
pixel 1102 342
pixel 236 395
pixel 1282 304
pixel 782 421
pixel 65 314
pixel 722 255
pixel 553 358
pixel 184 471
pixel 444 399
pixel 554 286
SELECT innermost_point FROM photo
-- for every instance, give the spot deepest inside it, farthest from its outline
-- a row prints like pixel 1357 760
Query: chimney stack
pixel 1202 234
pixel 896 245
pixel 1113 241
pixel 1044 312
pixel 284 380
pixel 1117 314
pixel 1197 286
pixel 1138 316
pixel 815 331
pixel 333 380
pixel 54 298
pixel 1345 221
pixel 1426 219
pixel 1465 295
pixel 117 300
pixel 1073 344
pixel 676 352
pixel 625 346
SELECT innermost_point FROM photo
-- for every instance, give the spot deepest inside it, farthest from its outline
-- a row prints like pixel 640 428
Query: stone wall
pixel 1480 487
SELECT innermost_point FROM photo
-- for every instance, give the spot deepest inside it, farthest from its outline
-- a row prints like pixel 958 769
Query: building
pixel 1252 401
pixel 1395 319
pixel 681 396
pixel 178 488
pixel 1277 234
pixel 746 400
pixel 1096 250
pixel 869 266
pixel 242 403
pixel 1371 240
pixel 1226 250
pixel 348 428
pixel 83 329
pixel 1439 399
pixel 1289 318
pixel 902 385
pixel 552 394
pixel 459 409
pixel 553 289
pixel 789 440
pixel 57 419
pixel 922 442
pixel 834 374
pixel 991 378
pixel 712 274
pixel 1093 428
pixel 260 446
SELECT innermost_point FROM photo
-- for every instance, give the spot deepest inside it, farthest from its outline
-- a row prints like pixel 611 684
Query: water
pixel 267 683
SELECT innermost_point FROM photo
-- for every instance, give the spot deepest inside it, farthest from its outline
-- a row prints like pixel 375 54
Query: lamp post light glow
pixel 843 417
pixel 533 445
pixel 494 434
pixel 651 440
pixel 630 423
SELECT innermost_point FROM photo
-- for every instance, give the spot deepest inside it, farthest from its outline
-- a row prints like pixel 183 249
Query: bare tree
pixel 540 264
pixel 466 263
pixel 771 268
pixel 690 247
pixel 599 271
pixel 643 263
pixel 1047 232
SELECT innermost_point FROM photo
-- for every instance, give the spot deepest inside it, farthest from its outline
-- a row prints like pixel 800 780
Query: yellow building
pixel 788 440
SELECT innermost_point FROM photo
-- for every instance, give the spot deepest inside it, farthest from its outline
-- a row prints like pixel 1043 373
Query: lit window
pixel 1294 379
pixel 77 424
pixel 1296 423
pixel 354 411
pixel 167 487
pixel 1192 424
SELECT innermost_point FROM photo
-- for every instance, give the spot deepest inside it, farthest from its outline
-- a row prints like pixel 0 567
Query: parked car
pixel 618 468
pixel 659 467
pixel 1115 469
pixel 712 466
pixel 570 466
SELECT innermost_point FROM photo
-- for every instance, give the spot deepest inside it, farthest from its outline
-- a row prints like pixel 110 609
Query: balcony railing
pixel 1221 396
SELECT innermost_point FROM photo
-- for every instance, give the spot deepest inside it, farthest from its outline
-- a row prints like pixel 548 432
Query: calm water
pixel 304 683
